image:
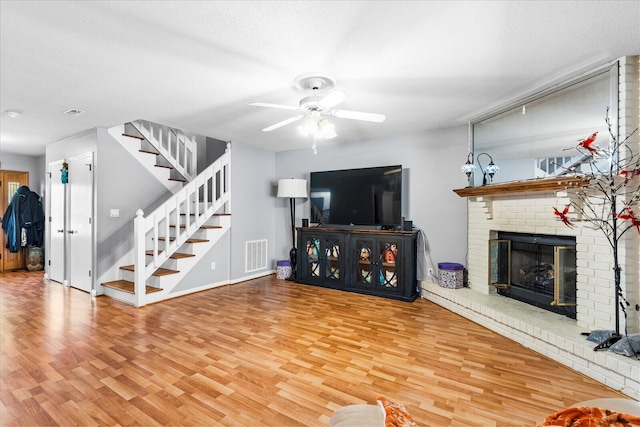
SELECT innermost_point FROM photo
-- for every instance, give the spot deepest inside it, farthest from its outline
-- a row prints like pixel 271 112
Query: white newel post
pixel 139 263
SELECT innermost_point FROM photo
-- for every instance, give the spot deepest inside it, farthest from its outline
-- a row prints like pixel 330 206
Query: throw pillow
pixel 396 414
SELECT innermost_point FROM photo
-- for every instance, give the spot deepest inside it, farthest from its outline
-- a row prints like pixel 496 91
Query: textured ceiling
pixel 197 65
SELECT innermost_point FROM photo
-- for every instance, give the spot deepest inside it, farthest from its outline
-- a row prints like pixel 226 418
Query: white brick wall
pixel 533 213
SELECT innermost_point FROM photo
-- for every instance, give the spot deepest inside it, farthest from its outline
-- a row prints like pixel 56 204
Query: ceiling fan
pixel 317 106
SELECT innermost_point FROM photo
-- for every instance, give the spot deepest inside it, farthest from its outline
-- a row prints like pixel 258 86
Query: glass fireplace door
pixel 500 263
pixel 565 289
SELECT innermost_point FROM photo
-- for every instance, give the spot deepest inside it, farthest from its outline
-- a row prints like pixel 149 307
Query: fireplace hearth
pixel 536 269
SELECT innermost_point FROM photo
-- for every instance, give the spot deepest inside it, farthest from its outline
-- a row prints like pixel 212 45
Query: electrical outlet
pixel 430 272
pixel 213 265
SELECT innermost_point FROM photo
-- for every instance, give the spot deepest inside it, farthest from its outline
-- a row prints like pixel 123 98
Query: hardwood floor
pixel 263 352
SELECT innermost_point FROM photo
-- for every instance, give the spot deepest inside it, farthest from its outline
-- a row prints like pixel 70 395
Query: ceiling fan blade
pixel 265 104
pixel 332 99
pixel 283 123
pixel 358 115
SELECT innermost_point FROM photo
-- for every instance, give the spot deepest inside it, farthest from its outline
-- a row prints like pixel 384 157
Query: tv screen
pixel 368 196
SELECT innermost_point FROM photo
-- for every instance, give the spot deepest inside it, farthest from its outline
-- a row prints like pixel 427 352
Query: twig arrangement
pixel 610 198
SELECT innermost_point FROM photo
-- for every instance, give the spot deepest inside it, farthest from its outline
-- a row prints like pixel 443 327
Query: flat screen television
pixel 358 197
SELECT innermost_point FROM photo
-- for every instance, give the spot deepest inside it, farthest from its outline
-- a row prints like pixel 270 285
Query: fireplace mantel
pixel 528 186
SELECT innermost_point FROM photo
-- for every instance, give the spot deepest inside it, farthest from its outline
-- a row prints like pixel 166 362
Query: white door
pixel 80 225
pixel 57 229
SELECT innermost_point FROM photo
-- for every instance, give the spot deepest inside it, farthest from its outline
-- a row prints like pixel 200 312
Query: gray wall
pixel 253 204
pixel 202 275
pixel 431 164
pixel 123 184
pixel 35 165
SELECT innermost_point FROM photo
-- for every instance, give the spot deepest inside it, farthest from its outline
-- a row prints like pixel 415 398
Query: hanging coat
pixel 24 213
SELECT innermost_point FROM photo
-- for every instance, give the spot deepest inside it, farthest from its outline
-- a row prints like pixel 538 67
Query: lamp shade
pixel 290 187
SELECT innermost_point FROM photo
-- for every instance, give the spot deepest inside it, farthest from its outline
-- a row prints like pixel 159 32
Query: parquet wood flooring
pixel 265 352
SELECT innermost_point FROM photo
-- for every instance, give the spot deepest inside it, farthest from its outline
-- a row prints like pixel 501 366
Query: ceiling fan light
pixel 309 128
pixel 326 129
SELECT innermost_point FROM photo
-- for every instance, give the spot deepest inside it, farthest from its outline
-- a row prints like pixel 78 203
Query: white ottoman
pixel 362 415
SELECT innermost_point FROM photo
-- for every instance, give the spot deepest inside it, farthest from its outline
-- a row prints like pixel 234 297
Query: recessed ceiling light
pixel 73 112
pixel 13 114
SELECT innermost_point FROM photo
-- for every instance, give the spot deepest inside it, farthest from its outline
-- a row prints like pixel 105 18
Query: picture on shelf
pixel 388 279
pixel 391 253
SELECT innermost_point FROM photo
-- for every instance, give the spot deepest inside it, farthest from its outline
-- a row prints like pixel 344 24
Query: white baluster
pixel 139 267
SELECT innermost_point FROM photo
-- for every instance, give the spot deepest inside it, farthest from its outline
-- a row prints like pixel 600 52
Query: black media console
pixel 373 262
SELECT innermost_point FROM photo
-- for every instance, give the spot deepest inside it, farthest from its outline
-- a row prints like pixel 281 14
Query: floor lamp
pixel 293 188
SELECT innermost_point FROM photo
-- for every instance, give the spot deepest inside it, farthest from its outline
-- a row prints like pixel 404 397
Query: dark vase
pixel 293 255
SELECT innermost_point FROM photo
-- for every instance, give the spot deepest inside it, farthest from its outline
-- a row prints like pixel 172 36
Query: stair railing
pixel 196 202
pixel 180 150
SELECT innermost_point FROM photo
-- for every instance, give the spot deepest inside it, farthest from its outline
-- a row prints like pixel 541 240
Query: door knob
pixel 70 231
pixel 60 231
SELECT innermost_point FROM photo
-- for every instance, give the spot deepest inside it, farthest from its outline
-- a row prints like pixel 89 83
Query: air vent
pixel 255 255
pixel 73 112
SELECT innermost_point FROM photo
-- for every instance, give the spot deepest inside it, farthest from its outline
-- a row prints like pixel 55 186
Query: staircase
pixel 169 241
pixel 167 153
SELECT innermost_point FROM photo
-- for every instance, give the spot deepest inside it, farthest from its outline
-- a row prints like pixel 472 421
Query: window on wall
pixel 12 187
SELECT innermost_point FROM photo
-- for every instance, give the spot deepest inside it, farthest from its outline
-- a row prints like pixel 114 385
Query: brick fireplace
pixel 533 213
pixel 527 207
pixel 555 335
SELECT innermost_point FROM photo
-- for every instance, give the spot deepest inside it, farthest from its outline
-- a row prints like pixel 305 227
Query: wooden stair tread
pixel 171 239
pixel 164 272
pixel 204 227
pixel 177 179
pixel 141 138
pixel 158 273
pixel 215 214
pixel 197 240
pixel 164 166
pixel 128 286
pixel 176 255
pixel 149 152
pixel 179 255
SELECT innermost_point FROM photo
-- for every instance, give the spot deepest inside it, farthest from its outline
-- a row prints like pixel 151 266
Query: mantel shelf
pixel 520 187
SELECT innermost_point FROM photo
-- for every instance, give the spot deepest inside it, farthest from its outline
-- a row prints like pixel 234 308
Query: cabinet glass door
pixel 388 252
pixel 332 249
pixel 323 257
pixel 365 254
pixel 312 266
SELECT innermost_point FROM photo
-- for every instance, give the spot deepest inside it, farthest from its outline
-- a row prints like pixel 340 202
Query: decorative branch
pixel 609 200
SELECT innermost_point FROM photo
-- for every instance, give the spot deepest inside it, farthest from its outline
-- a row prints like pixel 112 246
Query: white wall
pixel 35 165
pixel 431 161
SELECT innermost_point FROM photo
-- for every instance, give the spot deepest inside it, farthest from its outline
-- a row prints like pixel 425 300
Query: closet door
pixel 80 225
pixel 10 181
pixel 57 224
